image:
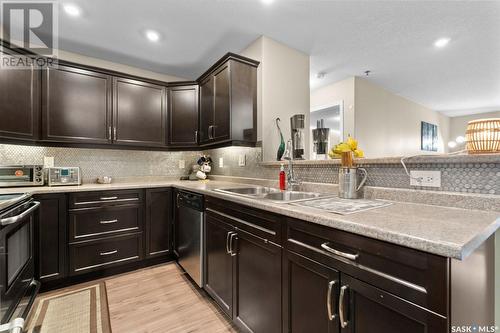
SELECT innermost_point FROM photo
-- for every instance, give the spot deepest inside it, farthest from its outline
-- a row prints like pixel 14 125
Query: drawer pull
pixel 346 255
pixel 108 253
pixel 108 198
pixel 109 221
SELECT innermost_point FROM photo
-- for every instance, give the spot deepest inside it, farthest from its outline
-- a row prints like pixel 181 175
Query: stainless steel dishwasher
pixel 190 234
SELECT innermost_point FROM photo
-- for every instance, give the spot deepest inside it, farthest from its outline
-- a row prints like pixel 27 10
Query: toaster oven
pixel 21 175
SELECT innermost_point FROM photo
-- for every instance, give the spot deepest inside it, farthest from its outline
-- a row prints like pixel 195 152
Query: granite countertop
pixel 445 231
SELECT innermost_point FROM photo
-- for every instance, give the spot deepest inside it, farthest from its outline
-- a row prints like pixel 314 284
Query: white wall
pixel 284 90
pixel 389 125
pixel 89 61
pixel 333 93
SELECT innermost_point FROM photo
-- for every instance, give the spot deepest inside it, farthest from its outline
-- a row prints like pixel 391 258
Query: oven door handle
pixel 17 218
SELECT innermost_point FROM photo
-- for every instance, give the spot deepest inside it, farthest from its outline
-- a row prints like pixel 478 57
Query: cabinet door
pixel 158 221
pixel 310 294
pixel 367 309
pixel 218 263
pixel 222 104
pixel 51 239
pixel 76 105
pixel 19 100
pixel 139 115
pixel 206 109
pixel 183 116
pixel 257 283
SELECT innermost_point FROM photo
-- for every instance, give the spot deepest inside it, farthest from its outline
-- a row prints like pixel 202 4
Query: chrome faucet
pixel 292 181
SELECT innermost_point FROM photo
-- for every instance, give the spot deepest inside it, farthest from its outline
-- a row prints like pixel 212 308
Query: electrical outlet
pixel 242 160
pixel 48 161
pixel 425 178
pixel 182 164
pixel 221 162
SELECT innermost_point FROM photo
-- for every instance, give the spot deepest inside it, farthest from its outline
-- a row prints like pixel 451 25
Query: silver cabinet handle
pixel 213 131
pixel 17 218
pixel 108 253
pixel 343 321
pixel 108 221
pixel 177 201
pixel 331 314
pixel 228 251
pixel 108 198
pixel 346 255
pixel 231 244
pixel 109 133
pixel 114 133
pixel 196 136
pixel 210 135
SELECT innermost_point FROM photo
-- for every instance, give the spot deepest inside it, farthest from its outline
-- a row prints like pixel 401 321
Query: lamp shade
pixel 483 136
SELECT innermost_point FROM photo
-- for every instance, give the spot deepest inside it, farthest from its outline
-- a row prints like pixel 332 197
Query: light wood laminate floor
pixel 160 300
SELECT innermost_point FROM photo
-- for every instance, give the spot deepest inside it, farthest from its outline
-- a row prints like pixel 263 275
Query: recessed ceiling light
pixel 460 139
pixel 152 35
pixel 267 2
pixel 72 10
pixel 441 42
pixel 452 144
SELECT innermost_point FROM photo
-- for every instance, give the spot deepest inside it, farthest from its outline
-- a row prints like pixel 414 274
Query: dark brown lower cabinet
pixel 158 221
pixel 51 238
pixel 310 296
pixel 219 263
pixel 367 309
pixel 243 275
pixel 257 281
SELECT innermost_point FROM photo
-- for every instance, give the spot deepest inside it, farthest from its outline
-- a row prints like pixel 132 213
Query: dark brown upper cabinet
pixel 76 105
pixel 228 102
pixel 183 116
pixel 139 113
pixel 19 102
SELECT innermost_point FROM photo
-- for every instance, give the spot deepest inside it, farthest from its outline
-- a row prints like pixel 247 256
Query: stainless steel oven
pixel 18 288
pixel 21 175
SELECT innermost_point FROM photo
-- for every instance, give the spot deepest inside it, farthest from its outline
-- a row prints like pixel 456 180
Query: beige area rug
pixel 82 310
pixel 162 300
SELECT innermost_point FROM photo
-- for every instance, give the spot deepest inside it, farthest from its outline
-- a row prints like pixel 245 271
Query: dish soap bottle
pixel 282 177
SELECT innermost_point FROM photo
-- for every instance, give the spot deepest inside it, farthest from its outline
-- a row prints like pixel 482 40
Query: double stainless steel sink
pixel 271 194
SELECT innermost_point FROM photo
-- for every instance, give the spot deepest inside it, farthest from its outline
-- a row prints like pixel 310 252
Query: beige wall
pixel 458 125
pixel 389 125
pixel 284 89
pixel 385 124
pixel 333 93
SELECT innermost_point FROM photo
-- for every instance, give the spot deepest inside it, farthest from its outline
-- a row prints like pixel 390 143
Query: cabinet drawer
pixel 104 198
pixel 96 255
pixel 416 276
pixel 97 222
pixel 260 223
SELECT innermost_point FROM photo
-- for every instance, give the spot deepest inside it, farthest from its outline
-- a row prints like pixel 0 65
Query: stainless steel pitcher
pixel 348 182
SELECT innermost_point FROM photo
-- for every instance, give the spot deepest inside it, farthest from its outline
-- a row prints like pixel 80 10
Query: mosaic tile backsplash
pixel 99 162
pixel 481 178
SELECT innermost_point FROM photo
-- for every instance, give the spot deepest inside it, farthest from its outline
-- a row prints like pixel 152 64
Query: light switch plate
pixel 48 161
pixel 425 178
pixel 221 162
pixel 242 160
pixel 182 164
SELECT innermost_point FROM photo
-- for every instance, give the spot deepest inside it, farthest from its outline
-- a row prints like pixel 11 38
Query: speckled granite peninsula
pixel 431 225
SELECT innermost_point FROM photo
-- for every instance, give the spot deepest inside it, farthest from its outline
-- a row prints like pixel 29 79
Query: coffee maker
pixel 297 124
pixel 321 136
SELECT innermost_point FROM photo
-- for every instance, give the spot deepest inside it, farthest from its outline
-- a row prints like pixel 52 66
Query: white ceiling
pixel 393 39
